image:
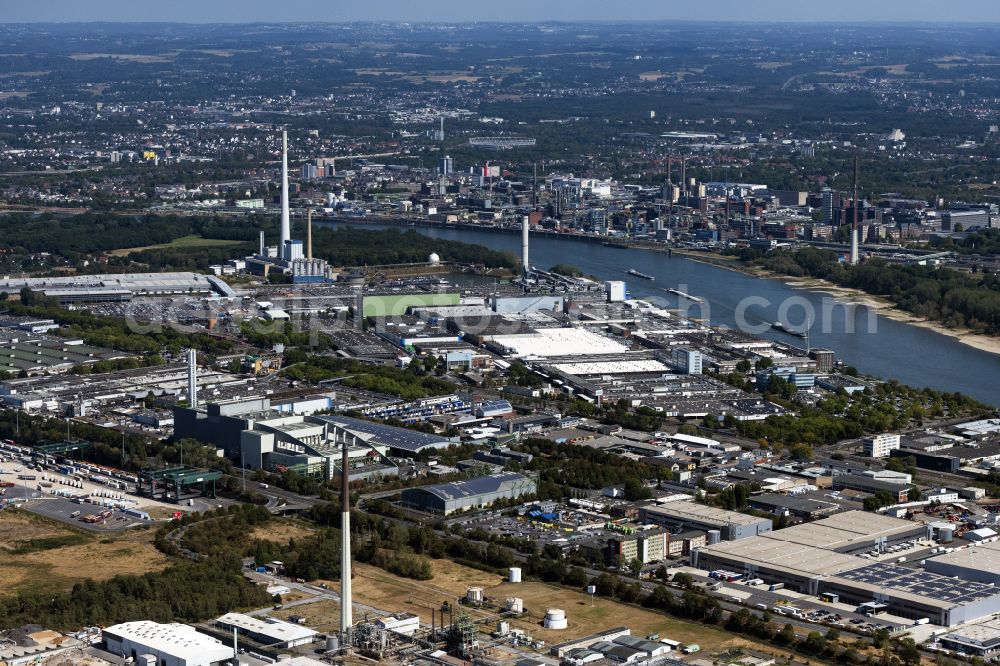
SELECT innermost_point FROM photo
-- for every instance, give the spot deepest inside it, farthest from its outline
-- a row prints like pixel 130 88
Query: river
pixel 875 345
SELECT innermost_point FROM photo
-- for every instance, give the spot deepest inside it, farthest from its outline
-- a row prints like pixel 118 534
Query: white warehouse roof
pixel 178 640
pixel 276 631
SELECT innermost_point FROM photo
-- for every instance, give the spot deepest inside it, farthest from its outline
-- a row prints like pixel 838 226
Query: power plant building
pixel 477 493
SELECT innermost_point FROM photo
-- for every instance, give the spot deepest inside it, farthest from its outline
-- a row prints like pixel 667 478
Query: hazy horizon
pixel 437 11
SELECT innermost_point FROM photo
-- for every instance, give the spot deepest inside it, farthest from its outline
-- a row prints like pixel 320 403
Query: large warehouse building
pixel 823 557
pixel 170 644
pixel 477 493
pixel 691 516
pixel 980 563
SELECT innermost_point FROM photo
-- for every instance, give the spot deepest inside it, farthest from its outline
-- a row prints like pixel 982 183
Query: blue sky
pixel 210 11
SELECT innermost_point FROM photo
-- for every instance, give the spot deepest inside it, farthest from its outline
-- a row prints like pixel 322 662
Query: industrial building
pixel 807 508
pixel 268 631
pixel 169 644
pixel 688 515
pixel 51 355
pixel 868 484
pixel 980 563
pixel 119 288
pixel 477 493
pixel 980 640
pixel 823 557
pixel 260 437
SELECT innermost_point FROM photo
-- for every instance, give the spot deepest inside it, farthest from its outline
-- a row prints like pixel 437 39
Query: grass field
pixel 282 531
pixel 182 242
pixel 39 555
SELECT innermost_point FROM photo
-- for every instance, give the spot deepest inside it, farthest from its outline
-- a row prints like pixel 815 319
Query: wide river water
pixel 875 345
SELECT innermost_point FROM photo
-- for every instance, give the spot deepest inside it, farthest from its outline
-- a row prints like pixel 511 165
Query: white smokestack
pixel 261 250
pixel 286 226
pixel 524 243
pixel 346 599
pixel 854 246
pixel 192 378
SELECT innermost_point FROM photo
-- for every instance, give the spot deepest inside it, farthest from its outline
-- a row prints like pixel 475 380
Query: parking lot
pixel 67 511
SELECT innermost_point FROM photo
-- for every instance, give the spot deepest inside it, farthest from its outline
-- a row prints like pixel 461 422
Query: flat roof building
pixel 689 515
pixel 980 640
pixel 268 631
pixel 980 562
pixel 821 557
pixel 170 644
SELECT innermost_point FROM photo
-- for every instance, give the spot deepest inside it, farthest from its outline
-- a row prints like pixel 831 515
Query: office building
pixel 446 166
pixel 687 361
pixel 643 545
pixel 880 446
pixel 827 203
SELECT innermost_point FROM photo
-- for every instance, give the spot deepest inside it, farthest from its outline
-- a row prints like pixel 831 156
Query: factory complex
pixel 833 558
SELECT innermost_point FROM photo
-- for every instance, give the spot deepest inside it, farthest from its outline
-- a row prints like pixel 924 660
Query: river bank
pixel 883 306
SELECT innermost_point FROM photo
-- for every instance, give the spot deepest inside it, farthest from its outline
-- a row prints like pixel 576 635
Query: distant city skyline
pixel 240 11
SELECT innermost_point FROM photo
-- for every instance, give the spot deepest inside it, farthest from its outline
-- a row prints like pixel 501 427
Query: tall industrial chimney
pixel 309 234
pixel 261 250
pixel 286 225
pixel 346 601
pixel 192 378
pixel 854 225
pixel 525 222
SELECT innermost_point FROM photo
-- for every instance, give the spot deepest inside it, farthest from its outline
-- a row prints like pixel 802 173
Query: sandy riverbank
pixel 886 308
pixel 882 306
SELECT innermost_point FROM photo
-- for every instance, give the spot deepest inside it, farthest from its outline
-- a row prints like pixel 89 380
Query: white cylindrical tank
pixel 503 627
pixel 515 605
pixel 714 537
pixel 474 595
pixel 555 618
pixel 515 574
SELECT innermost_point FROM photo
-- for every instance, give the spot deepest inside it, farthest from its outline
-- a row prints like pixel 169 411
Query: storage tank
pixel 503 627
pixel 555 618
pixel 714 537
pixel 332 643
pixel 474 595
pixel 946 534
pixel 515 605
pixel 515 575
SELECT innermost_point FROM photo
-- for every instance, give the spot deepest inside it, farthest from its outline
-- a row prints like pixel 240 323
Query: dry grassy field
pixel 46 566
pixel 375 587
pixel 281 532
